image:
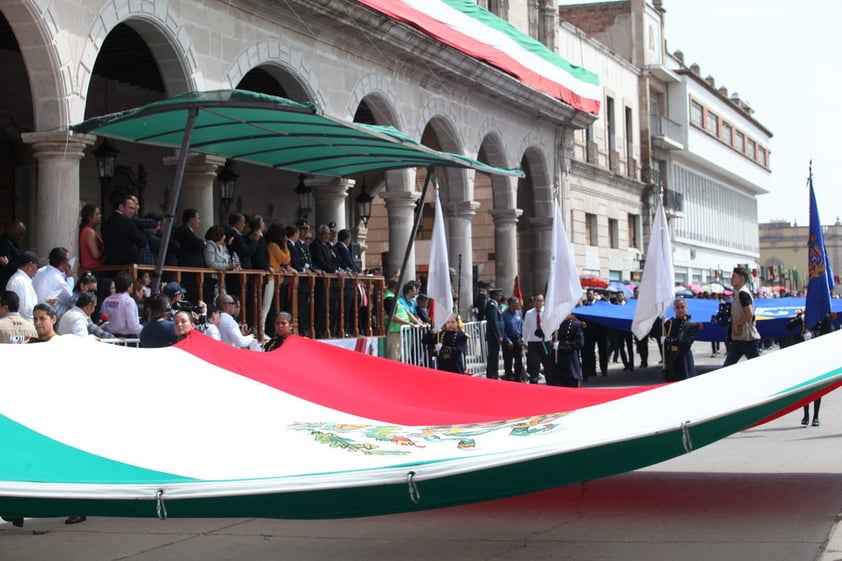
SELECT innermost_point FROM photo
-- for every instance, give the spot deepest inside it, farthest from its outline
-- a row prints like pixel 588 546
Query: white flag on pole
pixel 438 279
pixel 657 287
pixel 564 289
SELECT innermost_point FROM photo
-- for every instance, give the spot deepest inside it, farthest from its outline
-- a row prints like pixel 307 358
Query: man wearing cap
pixel 495 332
pixel 481 299
pixel 743 333
pixel 21 284
pixel 174 292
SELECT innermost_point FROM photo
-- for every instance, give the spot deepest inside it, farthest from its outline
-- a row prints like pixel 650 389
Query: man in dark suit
pixel 495 332
pixel 11 252
pixel 300 261
pixel 191 250
pixel 121 235
pixel 325 261
pixel 342 249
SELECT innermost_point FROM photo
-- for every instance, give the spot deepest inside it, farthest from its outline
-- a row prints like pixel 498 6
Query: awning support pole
pixel 419 212
pixel 176 195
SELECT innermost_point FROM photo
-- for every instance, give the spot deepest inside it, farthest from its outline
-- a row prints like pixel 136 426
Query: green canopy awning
pixel 275 132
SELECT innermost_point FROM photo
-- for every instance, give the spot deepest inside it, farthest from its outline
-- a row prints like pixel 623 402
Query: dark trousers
pixel 493 362
pixel 513 357
pixel 304 295
pixel 739 349
pixel 595 345
pixel 643 350
pixel 537 355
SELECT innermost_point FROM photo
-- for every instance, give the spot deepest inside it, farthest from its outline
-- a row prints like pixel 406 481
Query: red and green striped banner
pixel 476 32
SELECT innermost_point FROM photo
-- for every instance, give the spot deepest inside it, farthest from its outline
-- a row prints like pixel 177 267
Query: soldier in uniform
pixel 679 334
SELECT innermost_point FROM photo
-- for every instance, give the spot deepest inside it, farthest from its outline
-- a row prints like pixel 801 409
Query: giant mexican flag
pixel 465 26
pixel 315 431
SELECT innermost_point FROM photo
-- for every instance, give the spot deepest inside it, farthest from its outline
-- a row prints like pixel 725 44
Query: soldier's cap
pixel 495 290
pixel 485 284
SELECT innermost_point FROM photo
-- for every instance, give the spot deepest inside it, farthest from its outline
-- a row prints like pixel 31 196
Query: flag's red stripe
pixel 390 391
pixel 483 51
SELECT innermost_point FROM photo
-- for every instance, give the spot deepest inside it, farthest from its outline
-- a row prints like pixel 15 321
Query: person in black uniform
pixel 569 339
pixel 679 334
pixel 450 345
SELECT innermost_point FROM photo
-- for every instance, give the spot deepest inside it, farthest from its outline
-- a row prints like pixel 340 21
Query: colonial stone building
pixel 69 60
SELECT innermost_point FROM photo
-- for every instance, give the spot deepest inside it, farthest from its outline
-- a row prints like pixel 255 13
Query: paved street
pixel 770 493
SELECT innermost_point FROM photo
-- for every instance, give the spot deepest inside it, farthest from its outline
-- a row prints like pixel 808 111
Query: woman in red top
pixel 90 242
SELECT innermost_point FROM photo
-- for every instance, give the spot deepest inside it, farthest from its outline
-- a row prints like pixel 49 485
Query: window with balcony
pixel 751 149
pixel 591 232
pixel 696 114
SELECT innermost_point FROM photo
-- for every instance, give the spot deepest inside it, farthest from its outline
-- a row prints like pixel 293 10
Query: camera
pixel 723 315
pixel 185 306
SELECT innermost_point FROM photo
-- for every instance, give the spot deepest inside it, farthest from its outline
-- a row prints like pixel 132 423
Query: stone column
pixel 505 247
pixel 58 154
pixel 459 216
pixel 400 207
pixel 401 197
pixel 329 197
pixel 540 246
pixel 197 189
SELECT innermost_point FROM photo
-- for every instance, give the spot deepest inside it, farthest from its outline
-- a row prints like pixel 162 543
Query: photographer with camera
pixel 159 331
pixel 743 336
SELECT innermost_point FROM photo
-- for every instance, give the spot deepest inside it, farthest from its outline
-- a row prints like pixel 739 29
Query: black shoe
pixel 644 365
pixel 805 421
pixel 816 422
pixel 16 521
pixel 75 519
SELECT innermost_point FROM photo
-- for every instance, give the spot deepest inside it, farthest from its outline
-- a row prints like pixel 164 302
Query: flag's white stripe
pixel 466 25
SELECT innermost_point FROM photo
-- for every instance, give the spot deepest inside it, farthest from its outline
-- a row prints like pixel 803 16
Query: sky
pixel 782 58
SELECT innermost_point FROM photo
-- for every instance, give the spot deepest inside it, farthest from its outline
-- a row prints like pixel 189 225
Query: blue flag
pixel 818 266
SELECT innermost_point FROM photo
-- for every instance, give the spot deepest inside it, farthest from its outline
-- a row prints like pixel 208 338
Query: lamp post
pixel 227 184
pixel 106 165
pixel 364 205
pixel 304 193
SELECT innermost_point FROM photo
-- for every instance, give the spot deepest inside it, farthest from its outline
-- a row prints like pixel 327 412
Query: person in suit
pixel 495 332
pixel 121 236
pixel 300 261
pixel 342 249
pixel 11 251
pixel 325 261
pixel 191 250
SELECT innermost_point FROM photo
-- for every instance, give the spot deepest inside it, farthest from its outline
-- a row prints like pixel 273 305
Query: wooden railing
pixel 336 298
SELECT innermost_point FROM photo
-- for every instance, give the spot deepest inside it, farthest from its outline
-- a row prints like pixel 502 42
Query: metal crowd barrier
pixel 414 351
pixel 133 342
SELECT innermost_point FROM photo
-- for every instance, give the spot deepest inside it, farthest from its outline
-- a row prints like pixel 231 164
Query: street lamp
pixel 364 205
pixel 304 193
pixel 106 165
pixel 227 184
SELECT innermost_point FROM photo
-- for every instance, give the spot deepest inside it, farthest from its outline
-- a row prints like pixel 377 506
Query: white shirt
pixel 21 284
pixel 230 332
pixel 212 331
pixel 122 314
pixel 530 324
pixel 50 283
pixel 74 322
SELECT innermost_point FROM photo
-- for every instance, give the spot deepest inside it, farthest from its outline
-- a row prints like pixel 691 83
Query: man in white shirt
pixel 21 284
pixel 77 320
pixel 229 330
pixel 54 284
pixel 536 341
pixel 122 309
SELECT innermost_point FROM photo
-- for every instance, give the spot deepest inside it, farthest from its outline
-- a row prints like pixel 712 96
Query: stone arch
pixel 377 91
pixel 47 59
pixel 538 180
pixel 278 60
pixel 175 55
